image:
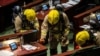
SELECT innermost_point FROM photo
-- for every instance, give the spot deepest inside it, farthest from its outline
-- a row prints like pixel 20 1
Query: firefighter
pixel 85 38
pixel 26 21
pixel 94 23
pixel 16 11
pixel 56 27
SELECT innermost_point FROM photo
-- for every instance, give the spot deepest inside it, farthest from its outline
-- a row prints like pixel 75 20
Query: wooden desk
pixel 40 51
pixel 6 2
pixel 14 35
pixel 68 53
pixel 41 14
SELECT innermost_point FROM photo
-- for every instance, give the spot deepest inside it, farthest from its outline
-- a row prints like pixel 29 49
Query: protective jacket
pixel 57 32
pixel 22 24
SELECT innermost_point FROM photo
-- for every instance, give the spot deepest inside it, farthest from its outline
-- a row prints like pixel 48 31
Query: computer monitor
pixel 30 37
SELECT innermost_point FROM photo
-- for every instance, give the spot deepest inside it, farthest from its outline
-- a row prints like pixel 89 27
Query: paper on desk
pixel 73 2
pixel 29 47
pixel 70 3
pixel 66 5
pixel 76 0
pixel 85 26
pixel 6 53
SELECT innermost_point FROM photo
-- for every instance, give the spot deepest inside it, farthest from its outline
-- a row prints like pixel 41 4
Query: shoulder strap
pixel 62 21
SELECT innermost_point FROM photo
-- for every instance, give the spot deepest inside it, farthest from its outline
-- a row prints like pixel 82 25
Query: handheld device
pixel 13 46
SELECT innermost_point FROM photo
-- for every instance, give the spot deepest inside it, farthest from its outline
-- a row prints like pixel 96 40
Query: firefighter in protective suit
pixel 26 21
pixel 57 29
pixel 92 19
pixel 84 38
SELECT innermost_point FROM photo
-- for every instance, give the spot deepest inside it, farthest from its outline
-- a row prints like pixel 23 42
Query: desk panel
pixel 40 51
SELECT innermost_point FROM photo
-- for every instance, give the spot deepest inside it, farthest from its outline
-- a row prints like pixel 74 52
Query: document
pixel 6 53
pixel 85 26
pixel 29 47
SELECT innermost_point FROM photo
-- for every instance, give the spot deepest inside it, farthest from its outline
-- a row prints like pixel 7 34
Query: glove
pixel 42 40
pixel 64 41
pixel 23 30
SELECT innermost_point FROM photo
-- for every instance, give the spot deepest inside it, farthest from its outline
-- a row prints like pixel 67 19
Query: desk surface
pixel 20 52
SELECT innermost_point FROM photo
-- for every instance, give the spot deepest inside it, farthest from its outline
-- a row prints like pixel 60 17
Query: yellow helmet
pixel 30 14
pixel 82 37
pixel 53 17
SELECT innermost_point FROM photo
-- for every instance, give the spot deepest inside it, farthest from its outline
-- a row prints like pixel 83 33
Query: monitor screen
pixel 13 46
pixel 30 37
